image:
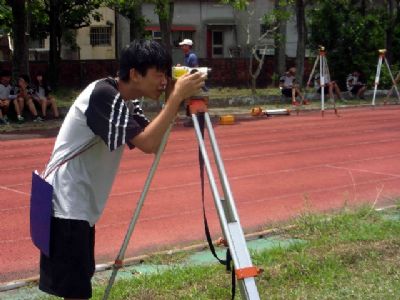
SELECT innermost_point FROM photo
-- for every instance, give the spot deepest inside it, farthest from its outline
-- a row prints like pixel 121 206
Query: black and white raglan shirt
pixel 89 148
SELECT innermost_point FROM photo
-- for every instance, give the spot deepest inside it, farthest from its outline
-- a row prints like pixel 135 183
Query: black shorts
pixel 69 269
pixel 287 92
pixel 326 90
pixel 356 88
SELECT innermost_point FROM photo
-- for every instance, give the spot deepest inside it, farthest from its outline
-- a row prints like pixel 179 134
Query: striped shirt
pixel 101 120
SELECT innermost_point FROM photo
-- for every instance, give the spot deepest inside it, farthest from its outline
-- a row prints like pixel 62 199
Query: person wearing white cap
pixel 190 59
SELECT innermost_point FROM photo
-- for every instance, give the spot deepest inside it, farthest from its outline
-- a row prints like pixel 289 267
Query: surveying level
pixel 382 58
pixel 258 111
pixel 324 77
pixel 233 234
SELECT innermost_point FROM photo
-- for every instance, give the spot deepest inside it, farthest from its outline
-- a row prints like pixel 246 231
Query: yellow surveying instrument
pixel 233 236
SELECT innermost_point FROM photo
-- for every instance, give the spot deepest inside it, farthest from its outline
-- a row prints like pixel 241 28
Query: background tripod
pixel 324 77
pixel 382 58
pixel 234 238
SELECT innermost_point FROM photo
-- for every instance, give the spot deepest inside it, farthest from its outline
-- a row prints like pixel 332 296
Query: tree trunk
pixel 389 30
pixel 301 40
pixel 165 20
pixel 54 54
pixel 20 58
pixel 280 43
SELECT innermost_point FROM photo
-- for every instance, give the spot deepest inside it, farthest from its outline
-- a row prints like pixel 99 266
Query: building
pixel 218 30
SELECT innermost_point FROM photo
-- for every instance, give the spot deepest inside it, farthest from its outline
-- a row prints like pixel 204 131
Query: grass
pixel 348 255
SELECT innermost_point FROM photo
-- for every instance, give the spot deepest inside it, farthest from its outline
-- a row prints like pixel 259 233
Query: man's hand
pixel 188 85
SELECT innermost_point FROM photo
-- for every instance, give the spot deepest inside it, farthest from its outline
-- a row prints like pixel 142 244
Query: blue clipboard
pixel 40 213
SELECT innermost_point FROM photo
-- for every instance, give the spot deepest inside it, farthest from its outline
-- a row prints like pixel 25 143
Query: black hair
pixel 142 55
pixel 5 73
pixel 24 77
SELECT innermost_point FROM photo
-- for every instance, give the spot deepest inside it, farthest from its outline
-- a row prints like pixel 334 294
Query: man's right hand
pixel 188 85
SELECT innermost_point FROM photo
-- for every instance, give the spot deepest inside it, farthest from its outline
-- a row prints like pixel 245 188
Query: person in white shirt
pixel 6 99
pixel 101 121
pixel 290 88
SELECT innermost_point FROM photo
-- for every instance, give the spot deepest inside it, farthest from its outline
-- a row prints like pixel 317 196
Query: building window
pixel 217 44
pixel 179 36
pixel 35 44
pixel 100 36
pixel 156 35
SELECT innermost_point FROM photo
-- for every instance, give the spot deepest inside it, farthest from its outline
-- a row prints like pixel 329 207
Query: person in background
pixel 91 141
pixel 355 85
pixel 190 60
pixel 44 98
pixel 25 97
pixel 7 99
pixel 290 88
pixel 330 87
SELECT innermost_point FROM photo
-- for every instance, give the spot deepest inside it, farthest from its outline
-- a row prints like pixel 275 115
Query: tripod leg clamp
pixel 198 105
pixel 247 272
pixel 118 264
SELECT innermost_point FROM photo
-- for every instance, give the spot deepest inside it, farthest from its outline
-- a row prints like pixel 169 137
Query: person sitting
pixel 6 99
pixel 287 84
pixel 355 86
pixel 330 87
pixel 25 96
pixel 43 97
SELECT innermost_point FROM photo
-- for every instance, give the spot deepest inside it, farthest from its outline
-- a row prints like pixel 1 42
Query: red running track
pixel 277 168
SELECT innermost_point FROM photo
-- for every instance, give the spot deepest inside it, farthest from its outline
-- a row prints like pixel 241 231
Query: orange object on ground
pixel 227 120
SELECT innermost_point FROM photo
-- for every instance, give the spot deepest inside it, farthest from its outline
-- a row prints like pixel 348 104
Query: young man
pixel 6 98
pixel 330 87
pixel 355 86
pixel 25 96
pixel 287 83
pixel 102 120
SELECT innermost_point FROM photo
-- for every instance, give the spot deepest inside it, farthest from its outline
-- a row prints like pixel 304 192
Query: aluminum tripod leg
pixel 393 81
pixel 119 260
pixel 322 83
pixel 378 73
pixel 228 216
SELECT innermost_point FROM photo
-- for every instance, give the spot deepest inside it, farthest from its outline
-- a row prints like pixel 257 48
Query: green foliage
pixel 5 16
pixel 351 35
pixel 237 4
pixel 131 10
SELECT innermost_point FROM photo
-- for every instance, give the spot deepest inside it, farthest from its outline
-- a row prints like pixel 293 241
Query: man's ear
pixel 134 75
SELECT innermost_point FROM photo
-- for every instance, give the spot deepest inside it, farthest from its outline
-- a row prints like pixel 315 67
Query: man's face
pixel 153 84
pixel 22 83
pixel 185 48
pixel 5 80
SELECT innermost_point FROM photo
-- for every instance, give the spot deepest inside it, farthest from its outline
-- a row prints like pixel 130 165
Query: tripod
pixel 324 77
pixel 229 220
pixel 382 58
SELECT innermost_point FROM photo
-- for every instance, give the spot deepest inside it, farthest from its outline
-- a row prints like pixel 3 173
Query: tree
pixel 301 39
pixel 165 11
pixel 351 32
pixel 131 10
pixel 258 52
pixel 20 60
pixel 282 16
